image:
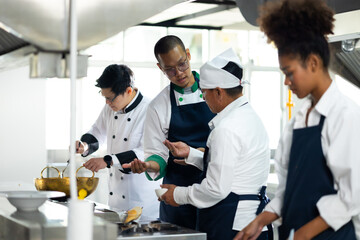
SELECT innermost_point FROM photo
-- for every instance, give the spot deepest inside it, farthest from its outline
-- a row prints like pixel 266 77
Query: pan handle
pixel 82 167
pixel 50 167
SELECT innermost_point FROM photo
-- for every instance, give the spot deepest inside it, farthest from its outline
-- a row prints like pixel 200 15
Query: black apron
pixel 217 221
pixel 189 124
pixel 309 178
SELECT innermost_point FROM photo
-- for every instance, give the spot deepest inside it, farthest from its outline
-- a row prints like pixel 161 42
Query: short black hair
pixel 117 77
pixel 234 92
pixel 236 71
pixel 166 44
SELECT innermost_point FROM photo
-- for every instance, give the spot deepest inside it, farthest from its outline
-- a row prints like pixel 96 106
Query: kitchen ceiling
pixel 217 15
pixel 202 14
pixel 211 14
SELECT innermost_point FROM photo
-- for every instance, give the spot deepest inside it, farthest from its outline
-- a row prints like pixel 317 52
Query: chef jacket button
pixel 129 119
pixel 111 193
pixel 113 136
pixel 110 174
pixel 123 196
pixel 125 139
pixel 116 117
pixel 121 178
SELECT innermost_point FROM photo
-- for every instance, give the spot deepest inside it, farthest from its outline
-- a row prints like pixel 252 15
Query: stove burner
pixel 154 226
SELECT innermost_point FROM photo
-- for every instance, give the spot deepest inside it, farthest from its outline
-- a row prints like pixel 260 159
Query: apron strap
pixel 263 201
pixel 321 123
pixel 172 96
pixel 205 163
pixel 257 197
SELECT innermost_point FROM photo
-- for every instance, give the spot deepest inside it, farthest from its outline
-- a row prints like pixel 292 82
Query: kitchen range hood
pixel 346 57
pixel 344 44
pixel 44 26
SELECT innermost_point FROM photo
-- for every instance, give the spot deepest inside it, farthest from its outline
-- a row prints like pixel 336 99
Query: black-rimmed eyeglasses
pixel 183 66
pixel 109 99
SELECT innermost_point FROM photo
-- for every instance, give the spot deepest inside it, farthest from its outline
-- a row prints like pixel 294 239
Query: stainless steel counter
pixel 146 228
pixel 48 223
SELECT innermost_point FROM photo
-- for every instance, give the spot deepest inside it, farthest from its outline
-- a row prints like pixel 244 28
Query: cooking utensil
pixel 85 185
pixel 133 214
pixel 62 173
pixel 68 162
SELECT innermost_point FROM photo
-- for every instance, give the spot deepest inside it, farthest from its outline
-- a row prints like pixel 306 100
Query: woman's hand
pixel 311 229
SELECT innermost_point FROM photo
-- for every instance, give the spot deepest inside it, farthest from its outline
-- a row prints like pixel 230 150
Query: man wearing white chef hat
pixel 236 160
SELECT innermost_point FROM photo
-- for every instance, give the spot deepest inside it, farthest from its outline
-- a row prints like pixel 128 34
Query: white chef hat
pixel 224 71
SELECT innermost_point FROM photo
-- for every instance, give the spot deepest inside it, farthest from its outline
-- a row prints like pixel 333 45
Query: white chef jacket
pixel 158 118
pixel 124 132
pixel 239 162
pixel 340 139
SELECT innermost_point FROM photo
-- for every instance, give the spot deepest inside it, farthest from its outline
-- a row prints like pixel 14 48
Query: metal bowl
pixel 62 184
pixel 28 201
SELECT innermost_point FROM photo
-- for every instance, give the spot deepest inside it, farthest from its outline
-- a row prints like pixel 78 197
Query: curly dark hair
pixel 298 27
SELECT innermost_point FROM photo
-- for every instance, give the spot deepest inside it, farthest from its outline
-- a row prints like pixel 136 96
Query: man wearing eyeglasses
pixel 178 113
pixel 120 125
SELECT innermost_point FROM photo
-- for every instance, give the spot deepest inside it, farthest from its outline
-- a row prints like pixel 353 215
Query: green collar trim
pixel 162 164
pixel 178 89
pixel 194 87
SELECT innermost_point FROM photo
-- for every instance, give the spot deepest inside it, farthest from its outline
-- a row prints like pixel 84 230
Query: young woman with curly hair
pixel 317 160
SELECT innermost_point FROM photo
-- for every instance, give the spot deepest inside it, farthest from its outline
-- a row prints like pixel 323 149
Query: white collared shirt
pixel 340 139
pixel 238 162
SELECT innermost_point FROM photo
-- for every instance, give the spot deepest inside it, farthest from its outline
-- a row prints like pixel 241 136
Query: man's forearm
pixel 265 218
pixel 153 166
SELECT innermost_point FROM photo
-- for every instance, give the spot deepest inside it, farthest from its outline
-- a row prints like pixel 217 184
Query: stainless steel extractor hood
pixel 346 58
pixel 45 24
pixel 344 44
